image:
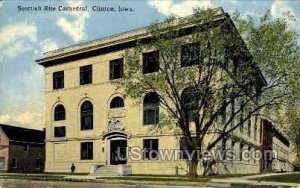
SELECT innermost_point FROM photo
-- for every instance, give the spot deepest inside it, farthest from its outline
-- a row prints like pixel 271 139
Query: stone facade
pixel 121 126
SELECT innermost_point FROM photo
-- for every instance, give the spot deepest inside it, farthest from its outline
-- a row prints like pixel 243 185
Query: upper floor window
pixel 151 109
pixel 116 69
pixel 190 98
pixel 58 80
pixel 59 113
pixel 117 102
pixel 190 54
pixel 86 74
pixel 150 62
pixel 60 131
pixel 150 149
pixel 86 115
pixel 86 151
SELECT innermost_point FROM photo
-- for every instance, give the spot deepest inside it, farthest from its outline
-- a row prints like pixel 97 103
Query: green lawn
pixel 42 177
pixel 287 178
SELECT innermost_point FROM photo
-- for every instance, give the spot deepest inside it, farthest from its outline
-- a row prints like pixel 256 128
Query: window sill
pixel 58 89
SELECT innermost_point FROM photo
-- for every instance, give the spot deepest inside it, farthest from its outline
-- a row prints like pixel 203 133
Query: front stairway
pixel 105 171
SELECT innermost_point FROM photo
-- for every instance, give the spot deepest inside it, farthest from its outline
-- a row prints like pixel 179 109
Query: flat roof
pixel 112 40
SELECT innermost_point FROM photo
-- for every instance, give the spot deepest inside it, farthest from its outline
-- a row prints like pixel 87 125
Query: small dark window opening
pixel 190 98
pixel 37 163
pixel 151 109
pixel 116 69
pixel 86 115
pixel 86 74
pixel 86 150
pixel 26 147
pixel 150 62
pixel 60 131
pixel 190 54
pixel 241 151
pixel 150 149
pixel 59 113
pixel 184 152
pixel 58 80
pixel 14 162
pixel 117 102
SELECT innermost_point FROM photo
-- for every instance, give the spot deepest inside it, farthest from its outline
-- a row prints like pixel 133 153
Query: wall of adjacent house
pixel 4 151
pixel 28 157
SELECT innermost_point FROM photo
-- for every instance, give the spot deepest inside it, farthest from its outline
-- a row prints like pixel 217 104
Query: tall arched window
pixel 151 109
pixel 117 102
pixel 190 98
pixel 59 113
pixel 86 112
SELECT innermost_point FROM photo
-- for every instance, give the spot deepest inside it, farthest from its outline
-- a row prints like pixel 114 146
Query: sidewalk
pixel 246 180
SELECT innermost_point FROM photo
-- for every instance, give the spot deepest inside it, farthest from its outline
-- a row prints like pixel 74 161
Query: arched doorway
pixel 116 143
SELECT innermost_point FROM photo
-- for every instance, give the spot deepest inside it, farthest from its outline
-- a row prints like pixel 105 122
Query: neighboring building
pixel 274 139
pixel 21 149
pixel 88 121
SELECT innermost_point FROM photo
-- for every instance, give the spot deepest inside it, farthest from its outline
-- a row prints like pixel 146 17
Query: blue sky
pixel 24 36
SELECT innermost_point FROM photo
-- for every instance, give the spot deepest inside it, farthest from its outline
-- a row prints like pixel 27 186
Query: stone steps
pixel 106 171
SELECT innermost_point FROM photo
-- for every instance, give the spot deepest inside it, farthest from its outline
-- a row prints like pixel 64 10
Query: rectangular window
pixel 14 162
pixel 60 131
pixel 116 69
pixel 37 163
pixel 241 151
pixel 86 74
pixel 190 54
pixel 242 113
pixel 184 153
pixel 86 151
pixel 255 128
pixel 26 147
pixel 150 149
pixel 150 62
pixel 2 163
pixel 151 116
pixel 249 127
pixel 58 80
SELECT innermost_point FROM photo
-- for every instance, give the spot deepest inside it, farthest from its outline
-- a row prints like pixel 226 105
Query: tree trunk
pixel 192 173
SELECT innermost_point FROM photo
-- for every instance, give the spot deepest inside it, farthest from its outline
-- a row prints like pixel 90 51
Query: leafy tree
pixel 275 47
pixel 208 82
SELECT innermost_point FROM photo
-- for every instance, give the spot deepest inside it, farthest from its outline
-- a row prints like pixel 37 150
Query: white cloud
pixel 5 119
pixel 279 7
pixel 1 3
pixel 74 27
pixel 184 8
pixel 17 48
pixel 14 39
pixel 48 45
pixel 26 119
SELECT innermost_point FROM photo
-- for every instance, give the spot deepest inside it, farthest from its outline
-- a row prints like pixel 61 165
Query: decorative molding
pixel 115 125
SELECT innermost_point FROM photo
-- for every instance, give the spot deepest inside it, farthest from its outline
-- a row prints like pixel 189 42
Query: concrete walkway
pixel 246 180
pixel 243 181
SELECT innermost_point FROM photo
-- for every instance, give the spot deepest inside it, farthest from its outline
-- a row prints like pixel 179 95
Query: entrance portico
pixel 116 143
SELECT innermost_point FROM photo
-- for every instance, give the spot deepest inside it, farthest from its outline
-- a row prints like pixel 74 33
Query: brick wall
pixel 26 161
pixel 4 143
